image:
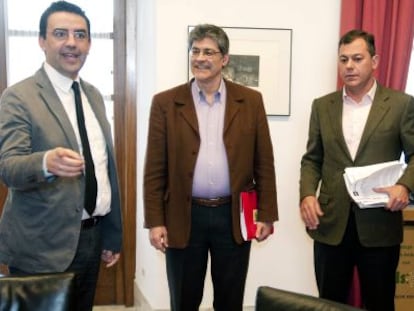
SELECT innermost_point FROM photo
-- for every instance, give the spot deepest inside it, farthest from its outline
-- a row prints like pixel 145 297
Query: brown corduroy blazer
pixel 173 145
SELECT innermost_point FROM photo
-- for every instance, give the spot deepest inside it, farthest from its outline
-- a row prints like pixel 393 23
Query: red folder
pixel 248 214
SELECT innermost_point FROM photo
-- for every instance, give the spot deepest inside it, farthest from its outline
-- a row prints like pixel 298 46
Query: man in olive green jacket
pixel 362 124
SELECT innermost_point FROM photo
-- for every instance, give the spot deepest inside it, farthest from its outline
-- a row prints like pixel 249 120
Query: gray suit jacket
pixel 40 225
pixel 173 146
pixel 388 132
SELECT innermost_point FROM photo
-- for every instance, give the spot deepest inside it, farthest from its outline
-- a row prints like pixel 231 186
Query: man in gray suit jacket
pixel 362 124
pixel 44 226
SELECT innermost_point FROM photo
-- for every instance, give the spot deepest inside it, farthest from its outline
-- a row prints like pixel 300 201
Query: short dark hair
pixel 354 34
pixel 61 6
pixel 213 32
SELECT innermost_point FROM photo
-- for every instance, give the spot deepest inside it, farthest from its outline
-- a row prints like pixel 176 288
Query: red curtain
pixel 392 23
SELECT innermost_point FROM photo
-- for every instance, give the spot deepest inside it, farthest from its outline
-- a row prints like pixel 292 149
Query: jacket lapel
pixel 52 101
pixel 187 111
pixel 232 106
pixel 94 99
pixel 184 99
pixel 335 116
pixel 378 110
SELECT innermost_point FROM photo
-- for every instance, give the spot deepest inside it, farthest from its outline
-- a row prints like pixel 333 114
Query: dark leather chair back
pixel 272 299
pixel 43 292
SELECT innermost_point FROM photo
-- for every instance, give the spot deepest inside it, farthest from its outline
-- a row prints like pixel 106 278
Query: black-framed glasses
pixel 209 53
pixel 63 34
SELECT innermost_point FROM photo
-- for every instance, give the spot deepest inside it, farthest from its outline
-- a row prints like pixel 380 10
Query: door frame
pixel 125 129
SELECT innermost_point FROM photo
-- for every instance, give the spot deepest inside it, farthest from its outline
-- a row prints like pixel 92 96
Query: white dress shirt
pixel 63 88
pixel 354 118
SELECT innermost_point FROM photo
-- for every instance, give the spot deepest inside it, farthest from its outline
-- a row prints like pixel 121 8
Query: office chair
pixel 43 292
pixel 272 299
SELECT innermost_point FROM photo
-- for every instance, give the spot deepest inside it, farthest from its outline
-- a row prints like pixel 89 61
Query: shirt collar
pixel 370 93
pixel 58 80
pixel 217 95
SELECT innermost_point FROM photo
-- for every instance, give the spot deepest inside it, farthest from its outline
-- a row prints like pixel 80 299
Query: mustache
pixel 202 65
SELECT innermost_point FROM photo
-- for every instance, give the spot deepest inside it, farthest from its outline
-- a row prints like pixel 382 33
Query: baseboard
pixel 141 303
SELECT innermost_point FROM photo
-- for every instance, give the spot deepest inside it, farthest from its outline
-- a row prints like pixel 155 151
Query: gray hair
pixel 213 32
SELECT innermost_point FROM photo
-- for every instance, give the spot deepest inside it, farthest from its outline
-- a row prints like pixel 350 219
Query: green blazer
pixel 389 131
pixel 173 145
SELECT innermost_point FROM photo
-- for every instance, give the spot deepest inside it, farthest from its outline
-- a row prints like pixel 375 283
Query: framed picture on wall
pixel 260 58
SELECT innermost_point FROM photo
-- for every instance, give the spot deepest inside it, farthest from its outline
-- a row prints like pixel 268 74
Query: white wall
pixel 285 261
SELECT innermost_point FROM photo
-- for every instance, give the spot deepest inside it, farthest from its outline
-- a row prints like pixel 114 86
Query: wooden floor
pixel 114 308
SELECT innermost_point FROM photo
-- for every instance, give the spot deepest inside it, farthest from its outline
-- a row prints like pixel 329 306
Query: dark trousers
pixel 211 232
pixel 85 265
pixel 376 268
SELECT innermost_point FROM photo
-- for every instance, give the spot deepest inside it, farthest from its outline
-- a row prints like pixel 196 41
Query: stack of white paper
pixel 361 180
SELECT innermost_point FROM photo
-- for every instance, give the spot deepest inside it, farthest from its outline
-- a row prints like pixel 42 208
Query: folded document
pixel 248 214
pixel 361 180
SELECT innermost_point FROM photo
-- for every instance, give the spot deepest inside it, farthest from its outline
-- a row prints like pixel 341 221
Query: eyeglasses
pixel 209 53
pixel 63 34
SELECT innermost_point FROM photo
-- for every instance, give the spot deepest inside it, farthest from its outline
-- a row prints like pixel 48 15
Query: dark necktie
pixel 90 179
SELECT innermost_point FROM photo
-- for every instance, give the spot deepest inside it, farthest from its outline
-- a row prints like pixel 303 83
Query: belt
pixel 90 222
pixel 213 202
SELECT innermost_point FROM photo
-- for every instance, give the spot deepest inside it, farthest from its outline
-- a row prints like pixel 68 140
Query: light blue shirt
pixel 211 176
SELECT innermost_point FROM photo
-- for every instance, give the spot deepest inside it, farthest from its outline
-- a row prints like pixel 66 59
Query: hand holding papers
pixel 360 182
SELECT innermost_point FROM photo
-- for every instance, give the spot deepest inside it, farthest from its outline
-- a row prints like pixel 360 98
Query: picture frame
pixel 260 58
